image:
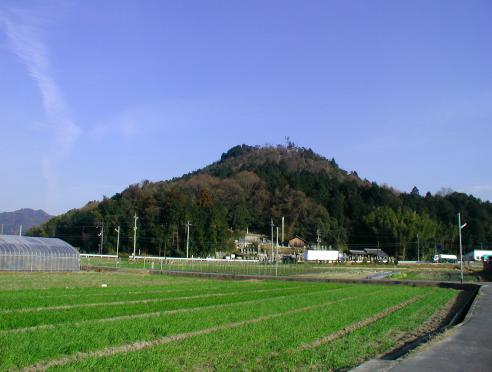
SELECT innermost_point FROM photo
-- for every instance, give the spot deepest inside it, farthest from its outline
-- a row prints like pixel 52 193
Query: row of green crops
pixel 365 343
pixel 49 343
pixel 252 346
pixel 14 321
pixel 10 301
pixel 62 281
pixel 234 325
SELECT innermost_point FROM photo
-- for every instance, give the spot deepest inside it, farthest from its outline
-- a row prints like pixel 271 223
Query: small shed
pixel 22 253
pixel 297 242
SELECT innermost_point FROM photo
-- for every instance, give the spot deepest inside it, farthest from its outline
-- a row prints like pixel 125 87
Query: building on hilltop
pixel 21 253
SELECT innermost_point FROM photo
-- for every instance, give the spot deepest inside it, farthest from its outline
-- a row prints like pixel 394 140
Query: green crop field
pixel 136 321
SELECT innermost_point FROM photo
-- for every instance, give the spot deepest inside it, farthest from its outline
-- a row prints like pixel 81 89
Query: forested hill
pixel 249 186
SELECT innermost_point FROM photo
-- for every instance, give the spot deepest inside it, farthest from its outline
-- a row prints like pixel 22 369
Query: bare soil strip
pixel 153 314
pixel 136 346
pixel 95 304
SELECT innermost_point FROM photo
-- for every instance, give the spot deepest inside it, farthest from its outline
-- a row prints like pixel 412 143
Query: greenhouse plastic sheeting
pixel 21 253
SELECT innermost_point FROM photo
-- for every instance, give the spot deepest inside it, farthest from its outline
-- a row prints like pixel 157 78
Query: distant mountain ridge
pixel 26 217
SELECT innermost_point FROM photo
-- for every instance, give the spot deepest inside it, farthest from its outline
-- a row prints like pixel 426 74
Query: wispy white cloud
pixel 23 29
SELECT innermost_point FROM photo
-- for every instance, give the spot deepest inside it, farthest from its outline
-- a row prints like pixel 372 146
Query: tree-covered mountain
pixel 250 185
pixel 28 218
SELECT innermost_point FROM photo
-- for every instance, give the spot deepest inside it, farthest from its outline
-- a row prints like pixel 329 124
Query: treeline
pixel 249 186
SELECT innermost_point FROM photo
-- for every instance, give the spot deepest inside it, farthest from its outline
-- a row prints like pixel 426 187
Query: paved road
pixel 382 275
pixel 469 348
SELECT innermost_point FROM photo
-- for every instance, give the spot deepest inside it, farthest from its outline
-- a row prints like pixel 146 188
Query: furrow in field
pixel 136 346
pixel 114 303
pixel 160 313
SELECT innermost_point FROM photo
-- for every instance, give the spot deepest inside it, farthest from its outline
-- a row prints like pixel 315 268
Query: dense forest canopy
pixel 251 185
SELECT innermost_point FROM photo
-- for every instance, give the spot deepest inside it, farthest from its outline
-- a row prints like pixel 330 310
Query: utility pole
pixel 20 230
pixel 318 240
pixel 135 218
pixel 188 239
pixel 418 247
pixel 101 234
pixel 277 245
pixel 283 222
pixel 177 238
pixel 117 241
pixel 460 227
pixel 271 224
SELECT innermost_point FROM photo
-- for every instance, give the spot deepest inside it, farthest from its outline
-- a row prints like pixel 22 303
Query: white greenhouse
pixel 21 253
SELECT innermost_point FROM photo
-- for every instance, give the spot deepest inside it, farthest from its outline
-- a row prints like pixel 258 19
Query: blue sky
pixel 96 95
